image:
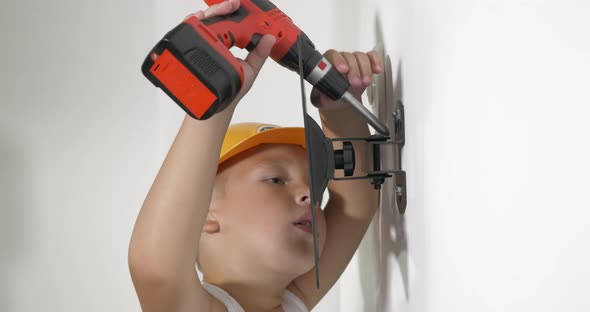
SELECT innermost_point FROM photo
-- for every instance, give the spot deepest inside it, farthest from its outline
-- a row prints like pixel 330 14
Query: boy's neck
pixel 264 296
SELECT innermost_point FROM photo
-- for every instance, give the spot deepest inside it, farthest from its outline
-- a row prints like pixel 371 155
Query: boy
pixel 243 217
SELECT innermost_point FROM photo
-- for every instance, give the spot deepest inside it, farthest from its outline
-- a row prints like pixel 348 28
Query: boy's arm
pixel 165 241
pixel 352 203
pixel 164 244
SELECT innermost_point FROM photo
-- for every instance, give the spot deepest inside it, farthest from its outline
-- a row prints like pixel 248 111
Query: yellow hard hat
pixel 243 136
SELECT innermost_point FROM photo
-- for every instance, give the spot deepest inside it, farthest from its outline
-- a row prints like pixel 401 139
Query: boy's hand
pixel 255 59
pixel 357 67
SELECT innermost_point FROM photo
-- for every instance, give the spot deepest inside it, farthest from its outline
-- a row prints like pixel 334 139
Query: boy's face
pixel 265 191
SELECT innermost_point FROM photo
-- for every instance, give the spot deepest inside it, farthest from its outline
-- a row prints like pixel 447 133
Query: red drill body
pixel 252 20
pixel 194 66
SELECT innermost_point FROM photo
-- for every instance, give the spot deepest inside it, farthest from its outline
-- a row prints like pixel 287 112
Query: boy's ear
pixel 211 224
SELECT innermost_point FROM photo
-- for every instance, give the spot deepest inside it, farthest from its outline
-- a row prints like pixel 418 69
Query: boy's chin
pixel 294 265
pixel 305 265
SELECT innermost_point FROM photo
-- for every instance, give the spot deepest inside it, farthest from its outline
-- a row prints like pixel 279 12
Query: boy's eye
pixel 276 180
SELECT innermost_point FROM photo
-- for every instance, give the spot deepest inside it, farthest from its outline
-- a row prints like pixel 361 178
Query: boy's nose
pixel 304 197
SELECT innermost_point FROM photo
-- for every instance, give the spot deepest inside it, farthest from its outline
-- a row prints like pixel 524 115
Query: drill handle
pixel 245 27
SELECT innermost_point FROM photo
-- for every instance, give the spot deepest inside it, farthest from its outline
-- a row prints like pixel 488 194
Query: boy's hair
pixel 244 136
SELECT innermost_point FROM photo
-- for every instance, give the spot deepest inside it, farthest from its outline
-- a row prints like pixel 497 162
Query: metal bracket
pixel 399 125
pixel 399 140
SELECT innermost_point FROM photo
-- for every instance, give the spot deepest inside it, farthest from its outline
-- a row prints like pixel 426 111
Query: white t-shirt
pixel 291 303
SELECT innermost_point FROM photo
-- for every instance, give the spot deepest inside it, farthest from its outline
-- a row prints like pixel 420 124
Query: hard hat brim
pixel 280 135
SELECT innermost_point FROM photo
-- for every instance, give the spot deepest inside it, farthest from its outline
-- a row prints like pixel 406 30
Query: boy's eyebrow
pixel 273 164
pixel 280 161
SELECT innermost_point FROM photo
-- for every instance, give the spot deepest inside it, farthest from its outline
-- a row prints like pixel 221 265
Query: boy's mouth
pixel 304 226
pixel 304 223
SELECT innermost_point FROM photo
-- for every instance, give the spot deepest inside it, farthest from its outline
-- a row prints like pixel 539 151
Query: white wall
pixel 496 157
pixel 505 154
pixel 77 151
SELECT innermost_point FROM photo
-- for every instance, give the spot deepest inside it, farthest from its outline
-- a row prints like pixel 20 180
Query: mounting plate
pixel 385 100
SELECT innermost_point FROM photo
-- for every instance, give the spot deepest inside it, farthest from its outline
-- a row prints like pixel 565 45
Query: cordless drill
pixel 194 66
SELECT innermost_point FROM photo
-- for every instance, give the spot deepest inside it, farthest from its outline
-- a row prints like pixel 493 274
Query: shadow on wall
pixel 386 237
pixel 12 219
